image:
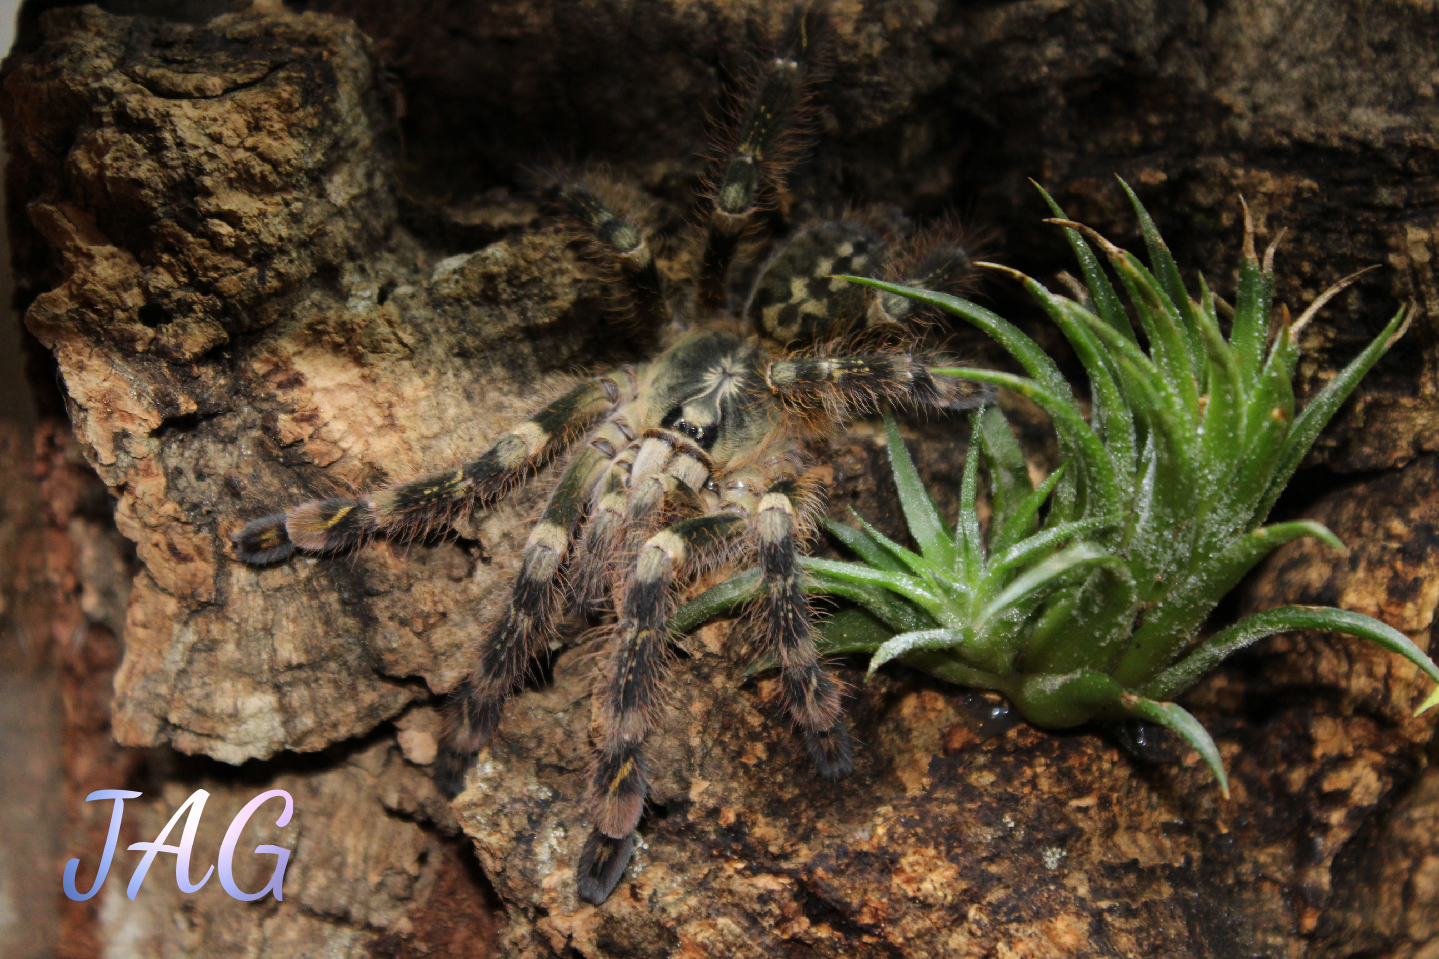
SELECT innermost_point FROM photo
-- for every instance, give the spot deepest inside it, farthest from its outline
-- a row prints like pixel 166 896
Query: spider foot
pixel 450 767
pixel 831 751
pixel 263 541
pixel 601 865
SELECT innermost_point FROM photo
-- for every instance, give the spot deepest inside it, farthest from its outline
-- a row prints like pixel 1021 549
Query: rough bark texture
pixel 277 253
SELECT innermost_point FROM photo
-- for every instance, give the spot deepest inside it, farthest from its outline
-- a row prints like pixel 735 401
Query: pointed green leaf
pixel 851 630
pixel 1046 576
pixel 1106 301
pixel 1159 533
pixel 1167 628
pixel 925 524
pixel 919 641
pixel 1113 416
pixel 1033 548
pixel 1168 344
pixel 911 560
pixel 865 546
pixel 1022 522
pixel 1157 407
pixel 1268 422
pixel 1214 650
pixel 1309 424
pixel 1222 426
pixel 715 600
pixel 1251 310
pixel 1166 271
pixel 921 593
pixel 896 612
pixel 1108 602
pixel 1009 481
pixel 946 665
pixel 1178 721
pixel 969 548
pixel 1102 488
pixel 1111 413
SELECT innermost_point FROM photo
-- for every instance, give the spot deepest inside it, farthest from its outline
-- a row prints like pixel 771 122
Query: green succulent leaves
pixel 1086 598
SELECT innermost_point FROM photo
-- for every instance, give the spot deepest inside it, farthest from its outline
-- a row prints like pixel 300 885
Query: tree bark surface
pixel 278 254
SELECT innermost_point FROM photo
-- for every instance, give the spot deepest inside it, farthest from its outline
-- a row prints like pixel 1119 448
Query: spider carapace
pixel 690 462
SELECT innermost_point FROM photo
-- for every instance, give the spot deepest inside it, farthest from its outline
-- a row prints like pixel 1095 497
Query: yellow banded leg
pixel 629 696
pixel 810 694
pixel 861 382
pixel 665 468
pixel 430 503
pixel 520 633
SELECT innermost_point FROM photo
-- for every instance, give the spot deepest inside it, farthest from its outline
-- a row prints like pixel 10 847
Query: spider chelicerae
pixel 686 463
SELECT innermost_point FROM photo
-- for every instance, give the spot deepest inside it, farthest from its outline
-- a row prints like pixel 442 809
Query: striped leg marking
pixel 810 694
pixel 520 634
pixel 629 696
pixel 430 503
pixel 841 385
pixel 764 146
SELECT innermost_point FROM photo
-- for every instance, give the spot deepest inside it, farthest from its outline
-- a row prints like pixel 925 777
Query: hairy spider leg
pixel 629 697
pixel 939 262
pixel 624 244
pixel 597 556
pixel 765 143
pixel 643 486
pixel 666 466
pixel 828 389
pixel 810 693
pixel 523 628
pixel 430 503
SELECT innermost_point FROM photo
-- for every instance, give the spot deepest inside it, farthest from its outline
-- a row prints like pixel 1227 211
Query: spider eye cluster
pixel 704 434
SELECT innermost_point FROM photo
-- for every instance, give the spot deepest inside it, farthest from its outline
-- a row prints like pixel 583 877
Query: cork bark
pixel 272 254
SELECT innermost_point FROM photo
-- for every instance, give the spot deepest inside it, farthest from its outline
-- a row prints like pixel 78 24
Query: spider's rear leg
pixel 767 139
pixel 629 697
pixel 939 260
pixel 520 633
pixel 622 243
pixel 430 503
pixel 811 695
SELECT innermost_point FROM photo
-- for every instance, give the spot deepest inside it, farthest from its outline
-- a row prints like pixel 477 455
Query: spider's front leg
pixel 430 503
pixel 810 693
pixel 520 633
pixel 629 696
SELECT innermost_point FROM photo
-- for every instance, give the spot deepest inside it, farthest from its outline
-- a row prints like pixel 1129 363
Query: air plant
pixel 1087 598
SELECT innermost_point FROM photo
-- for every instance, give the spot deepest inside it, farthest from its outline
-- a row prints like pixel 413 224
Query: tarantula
pixel 692 460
